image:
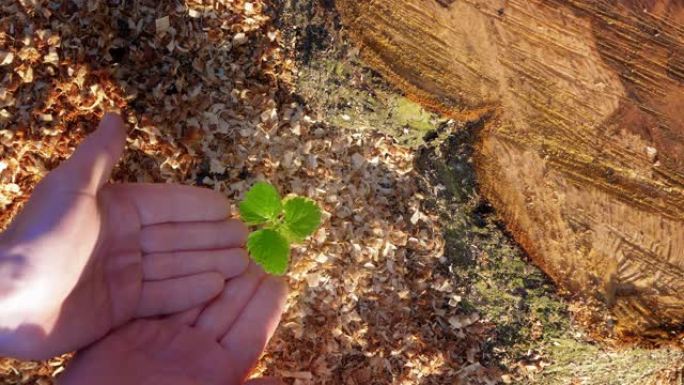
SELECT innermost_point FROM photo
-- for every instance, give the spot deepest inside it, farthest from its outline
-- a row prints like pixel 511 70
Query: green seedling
pixel 281 223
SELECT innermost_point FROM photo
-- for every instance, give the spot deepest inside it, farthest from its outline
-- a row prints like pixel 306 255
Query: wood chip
pixel 162 24
pixel 6 58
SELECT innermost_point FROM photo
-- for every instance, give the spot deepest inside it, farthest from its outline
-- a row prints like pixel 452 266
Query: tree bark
pixel 582 152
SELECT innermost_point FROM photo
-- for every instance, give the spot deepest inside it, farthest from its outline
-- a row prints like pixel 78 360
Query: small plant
pixel 282 223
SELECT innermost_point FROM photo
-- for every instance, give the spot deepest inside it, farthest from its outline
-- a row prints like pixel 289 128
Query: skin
pixel 216 346
pixel 87 261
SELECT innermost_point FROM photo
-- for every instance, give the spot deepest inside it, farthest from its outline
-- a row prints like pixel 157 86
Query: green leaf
pixel 270 250
pixel 302 218
pixel 261 204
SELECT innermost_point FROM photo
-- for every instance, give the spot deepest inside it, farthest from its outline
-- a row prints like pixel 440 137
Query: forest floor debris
pixel 410 280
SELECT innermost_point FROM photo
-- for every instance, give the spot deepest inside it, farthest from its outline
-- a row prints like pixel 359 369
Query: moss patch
pixel 333 80
pixel 354 97
pixel 412 115
pixel 589 363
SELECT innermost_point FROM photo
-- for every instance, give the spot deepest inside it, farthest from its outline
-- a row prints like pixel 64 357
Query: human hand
pixel 84 257
pixel 218 345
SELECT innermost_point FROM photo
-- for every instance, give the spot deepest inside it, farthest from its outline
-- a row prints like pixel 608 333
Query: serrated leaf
pixel 261 204
pixel 270 250
pixel 302 218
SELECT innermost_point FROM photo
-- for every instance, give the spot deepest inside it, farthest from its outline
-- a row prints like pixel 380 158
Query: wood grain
pixel 583 150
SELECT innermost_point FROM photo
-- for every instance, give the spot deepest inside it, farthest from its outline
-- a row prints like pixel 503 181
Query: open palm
pixel 218 345
pixel 90 256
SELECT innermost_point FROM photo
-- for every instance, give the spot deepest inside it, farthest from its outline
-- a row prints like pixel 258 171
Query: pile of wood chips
pixel 207 91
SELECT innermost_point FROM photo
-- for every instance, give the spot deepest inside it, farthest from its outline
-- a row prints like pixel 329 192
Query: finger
pixel 222 312
pixel 164 203
pixel 178 294
pixel 90 165
pixel 187 317
pixel 229 262
pixel 265 381
pixel 247 338
pixel 193 236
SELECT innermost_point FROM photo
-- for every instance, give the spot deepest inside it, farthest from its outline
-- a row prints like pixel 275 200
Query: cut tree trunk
pixel 582 152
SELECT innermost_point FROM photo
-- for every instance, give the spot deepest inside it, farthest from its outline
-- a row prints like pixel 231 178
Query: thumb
pixel 91 164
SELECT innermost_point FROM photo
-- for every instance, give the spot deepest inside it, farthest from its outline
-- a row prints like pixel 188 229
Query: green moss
pixel 334 82
pixel 589 363
pixel 408 113
pixel 351 96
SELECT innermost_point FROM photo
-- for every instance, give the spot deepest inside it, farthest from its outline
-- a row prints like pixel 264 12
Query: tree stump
pixel 582 152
